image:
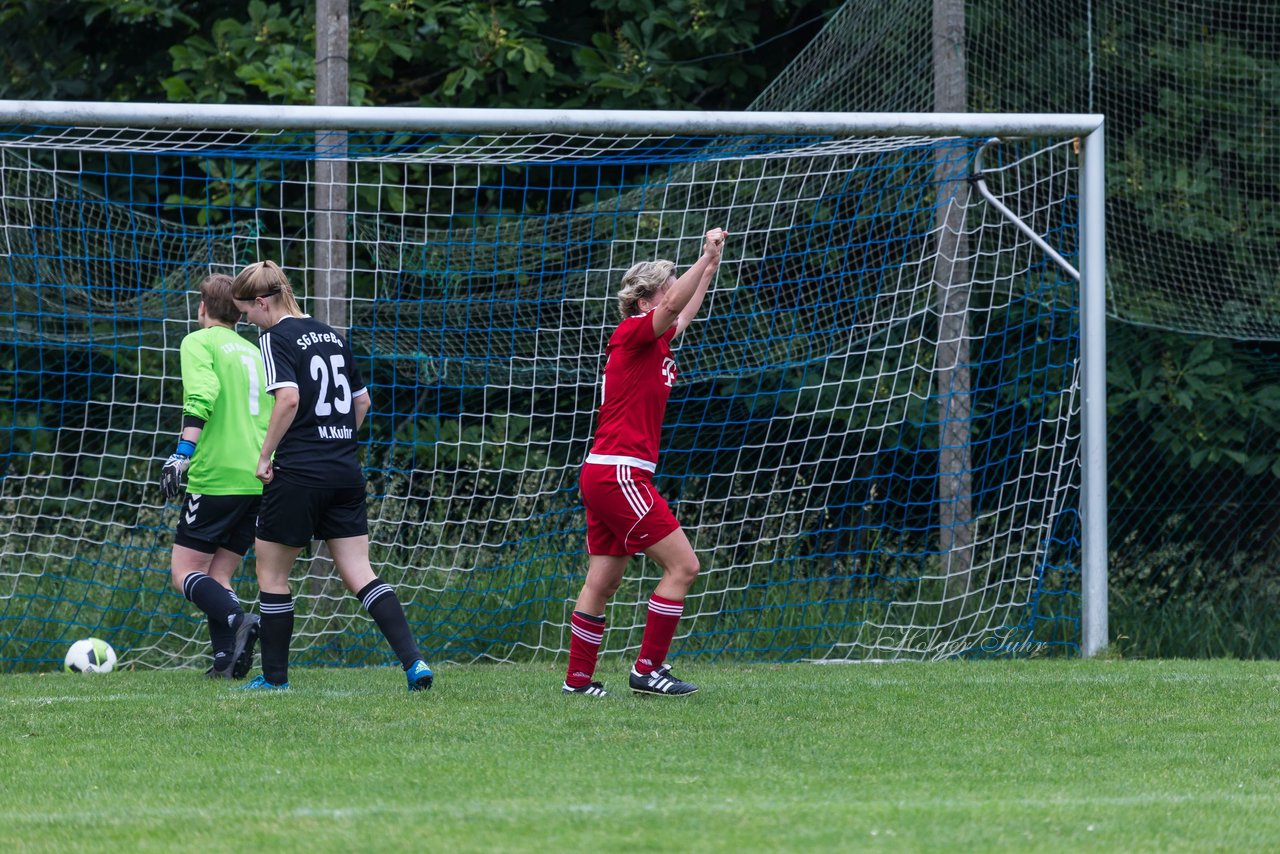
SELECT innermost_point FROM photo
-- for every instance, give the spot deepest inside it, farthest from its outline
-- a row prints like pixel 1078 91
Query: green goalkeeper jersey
pixel 223 383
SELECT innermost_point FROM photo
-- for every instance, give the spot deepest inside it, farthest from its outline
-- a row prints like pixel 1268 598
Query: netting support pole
pixel 1093 438
pixel 954 380
pixel 330 181
pixel 333 24
pixel 976 178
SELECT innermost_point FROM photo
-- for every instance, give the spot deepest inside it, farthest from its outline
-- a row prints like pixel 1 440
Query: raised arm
pixel 681 303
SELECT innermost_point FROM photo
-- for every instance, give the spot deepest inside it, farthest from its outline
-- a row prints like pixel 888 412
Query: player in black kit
pixel 309 463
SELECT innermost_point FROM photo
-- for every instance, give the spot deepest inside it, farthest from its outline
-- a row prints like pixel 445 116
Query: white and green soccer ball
pixel 90 655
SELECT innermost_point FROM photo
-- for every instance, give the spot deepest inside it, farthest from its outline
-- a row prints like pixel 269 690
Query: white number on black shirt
pixel 341 388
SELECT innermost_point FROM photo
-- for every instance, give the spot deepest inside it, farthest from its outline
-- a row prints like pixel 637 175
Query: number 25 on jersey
pixel 341 390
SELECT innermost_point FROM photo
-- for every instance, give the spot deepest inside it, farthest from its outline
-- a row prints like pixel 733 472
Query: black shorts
pixel 207 523
pixel 294 515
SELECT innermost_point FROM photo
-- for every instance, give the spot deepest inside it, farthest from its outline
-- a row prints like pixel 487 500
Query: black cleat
pixel 243 662
pixel 218 669
pixel 241 657
pixel 660 682
pixel 591 689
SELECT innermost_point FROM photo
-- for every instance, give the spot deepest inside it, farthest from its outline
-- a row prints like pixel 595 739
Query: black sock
pixel 211 597
pixel 274 634
pixel 221 636
pixel 382 604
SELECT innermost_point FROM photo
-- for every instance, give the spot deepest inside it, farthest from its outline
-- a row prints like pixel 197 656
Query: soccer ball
pixel 90 656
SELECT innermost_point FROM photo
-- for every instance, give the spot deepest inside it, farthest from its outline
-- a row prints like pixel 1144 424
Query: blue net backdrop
pixel 873 447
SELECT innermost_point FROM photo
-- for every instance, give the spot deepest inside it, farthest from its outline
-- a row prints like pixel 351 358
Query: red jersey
pixel 638 375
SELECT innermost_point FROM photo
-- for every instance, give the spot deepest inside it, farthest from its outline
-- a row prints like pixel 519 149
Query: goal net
pixel 874 444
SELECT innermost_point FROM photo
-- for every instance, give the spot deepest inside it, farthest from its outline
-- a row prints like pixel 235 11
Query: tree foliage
pixel 617 54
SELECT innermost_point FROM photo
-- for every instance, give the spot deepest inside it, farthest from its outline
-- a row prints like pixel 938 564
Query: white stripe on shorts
pixel 632 492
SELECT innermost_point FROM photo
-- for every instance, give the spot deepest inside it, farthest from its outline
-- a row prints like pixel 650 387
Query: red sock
pixel 584 648
pixel 659 629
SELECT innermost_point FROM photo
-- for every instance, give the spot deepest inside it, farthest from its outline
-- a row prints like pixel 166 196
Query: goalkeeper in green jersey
pixel 225 411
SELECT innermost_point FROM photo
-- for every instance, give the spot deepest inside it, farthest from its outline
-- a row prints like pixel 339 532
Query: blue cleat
pixel 419 676
pixel 260 683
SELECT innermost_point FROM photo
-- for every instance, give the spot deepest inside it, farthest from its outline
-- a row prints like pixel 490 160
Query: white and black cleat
pixel 660 682
pixel 591 689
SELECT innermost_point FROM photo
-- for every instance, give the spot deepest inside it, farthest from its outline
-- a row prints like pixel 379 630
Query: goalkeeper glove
pixel 174 468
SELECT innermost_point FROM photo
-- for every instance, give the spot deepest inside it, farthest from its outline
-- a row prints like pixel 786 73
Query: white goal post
pixel 843 500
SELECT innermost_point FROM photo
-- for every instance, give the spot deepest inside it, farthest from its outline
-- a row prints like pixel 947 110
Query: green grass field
pixel 1036 755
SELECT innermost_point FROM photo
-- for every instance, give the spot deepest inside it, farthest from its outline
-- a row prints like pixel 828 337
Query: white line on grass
pixel 121 812
pixel 50 699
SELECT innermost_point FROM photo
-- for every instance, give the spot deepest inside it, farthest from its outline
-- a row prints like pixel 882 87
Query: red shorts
pixel 625 514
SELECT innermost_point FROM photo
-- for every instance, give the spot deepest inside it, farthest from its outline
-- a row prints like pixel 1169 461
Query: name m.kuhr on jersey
pixel 334 432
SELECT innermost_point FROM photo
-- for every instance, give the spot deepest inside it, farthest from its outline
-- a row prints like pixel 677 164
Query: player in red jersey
pixel 625 514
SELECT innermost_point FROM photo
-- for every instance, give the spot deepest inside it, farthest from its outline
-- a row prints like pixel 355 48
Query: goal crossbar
pixel 473 120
